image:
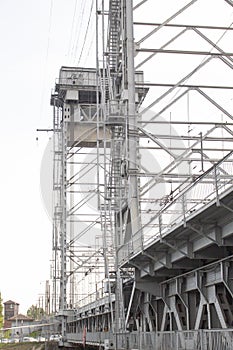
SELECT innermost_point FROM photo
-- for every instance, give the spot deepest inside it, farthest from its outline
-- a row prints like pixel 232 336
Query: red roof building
pixel 11 309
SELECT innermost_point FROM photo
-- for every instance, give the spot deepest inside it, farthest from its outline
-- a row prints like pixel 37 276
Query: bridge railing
pixel 205 190
pixel 176 340
pixel 201 339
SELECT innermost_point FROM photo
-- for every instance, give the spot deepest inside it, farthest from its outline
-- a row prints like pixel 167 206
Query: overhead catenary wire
pixel 46 56
pixel 85 36
pixel 72 27
pixel 77 29
pixel 90 46
pixel 77 36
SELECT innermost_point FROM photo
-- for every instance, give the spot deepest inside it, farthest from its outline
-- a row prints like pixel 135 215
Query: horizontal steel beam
pixel 186 85
pixel 182 26
pixel 186 52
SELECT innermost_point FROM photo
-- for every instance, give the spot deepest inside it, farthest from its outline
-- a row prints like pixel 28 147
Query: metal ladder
pixel 114 42
pixel 116 187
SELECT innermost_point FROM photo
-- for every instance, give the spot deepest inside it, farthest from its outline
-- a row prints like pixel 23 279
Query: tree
pixel 1 313
pixel 35 312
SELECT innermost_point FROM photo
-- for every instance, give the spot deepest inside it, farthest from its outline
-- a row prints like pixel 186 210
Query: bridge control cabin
pixel 80 92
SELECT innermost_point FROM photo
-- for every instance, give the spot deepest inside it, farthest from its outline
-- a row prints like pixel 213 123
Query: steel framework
pixel 142 142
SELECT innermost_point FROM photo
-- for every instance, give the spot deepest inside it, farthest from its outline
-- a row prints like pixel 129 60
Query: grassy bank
pixel 23 346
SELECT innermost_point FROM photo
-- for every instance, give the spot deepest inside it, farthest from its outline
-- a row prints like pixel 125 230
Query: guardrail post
pixel 216 186
pixel 160 226
pixel 201 339
pixel 183 209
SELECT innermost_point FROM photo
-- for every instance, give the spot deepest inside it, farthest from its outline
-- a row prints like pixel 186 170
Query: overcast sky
pixel 37 37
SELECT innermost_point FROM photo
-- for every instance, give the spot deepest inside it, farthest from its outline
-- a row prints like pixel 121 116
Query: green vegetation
pixel 28 346
pixel 35 312
pixel 1 312
pixel 34 334
pixel 7 334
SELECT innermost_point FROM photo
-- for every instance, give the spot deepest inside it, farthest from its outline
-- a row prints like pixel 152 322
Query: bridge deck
pixel 207 235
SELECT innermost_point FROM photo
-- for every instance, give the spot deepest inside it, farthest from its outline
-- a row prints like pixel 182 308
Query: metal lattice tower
pixel 137 142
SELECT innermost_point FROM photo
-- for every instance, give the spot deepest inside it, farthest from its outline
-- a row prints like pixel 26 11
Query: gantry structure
pixel 142 229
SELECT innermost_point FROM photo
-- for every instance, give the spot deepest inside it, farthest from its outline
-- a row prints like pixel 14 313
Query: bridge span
pixel 142 181
pixel 182 297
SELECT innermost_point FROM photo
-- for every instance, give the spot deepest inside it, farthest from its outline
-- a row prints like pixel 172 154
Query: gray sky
pixel 37 37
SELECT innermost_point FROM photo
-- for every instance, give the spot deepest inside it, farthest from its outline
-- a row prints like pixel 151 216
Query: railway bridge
pixel 142 181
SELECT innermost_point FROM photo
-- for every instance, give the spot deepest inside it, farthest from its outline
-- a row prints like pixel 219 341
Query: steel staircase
pixel 117 188
pixel 114 28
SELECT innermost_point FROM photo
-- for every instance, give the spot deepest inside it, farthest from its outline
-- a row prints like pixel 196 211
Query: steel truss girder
pixel 173 254
pixel 176 296
pixel 200 238
pixel 166 22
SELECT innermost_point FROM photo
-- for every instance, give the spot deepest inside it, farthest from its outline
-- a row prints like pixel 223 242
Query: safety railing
pixel 207 189
pixel 202 339
pixel 177 340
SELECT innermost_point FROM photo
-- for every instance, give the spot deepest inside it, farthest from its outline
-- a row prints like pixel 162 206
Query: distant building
pixel 22 321
pixel 11 309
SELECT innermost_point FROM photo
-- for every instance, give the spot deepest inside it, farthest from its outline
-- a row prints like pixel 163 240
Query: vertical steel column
pixel 57 196
pixel 132 141
pixel 63 278
pixel 55 227
pixel 132 123
pixel 71 226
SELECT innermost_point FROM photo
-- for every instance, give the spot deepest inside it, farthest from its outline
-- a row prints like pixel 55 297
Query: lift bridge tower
pixel 142 143
pixel 96 161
